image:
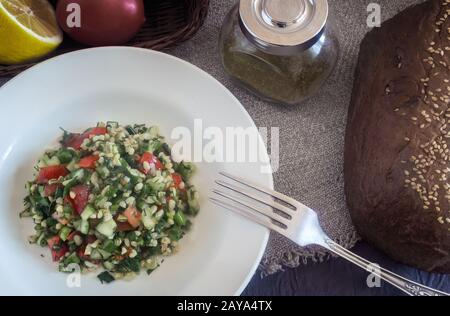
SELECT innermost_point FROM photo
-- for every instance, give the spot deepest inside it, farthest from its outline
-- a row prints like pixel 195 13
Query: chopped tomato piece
pixel 133 216
pixel 58 254
pixel 68 201
pixel 50 189
pixel 90 239
pixel 80 253
pixel 75 140
pixel 72 235
pixel 57 248
pixel 63 221
pixel 88 162
pixel 50 173
pixel 177 179
pixel 95 132
pixel 80 200
pixel 54 241
pixel 119 258
pixel 124 226
pixel 93 222
pixel 151 160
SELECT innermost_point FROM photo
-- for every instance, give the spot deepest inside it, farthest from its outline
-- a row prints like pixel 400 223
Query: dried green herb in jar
pixel 284 74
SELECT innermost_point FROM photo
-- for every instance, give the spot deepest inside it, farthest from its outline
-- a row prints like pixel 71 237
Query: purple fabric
pixel 338 277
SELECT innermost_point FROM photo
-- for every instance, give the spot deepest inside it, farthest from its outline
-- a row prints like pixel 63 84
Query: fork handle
pixel 407 286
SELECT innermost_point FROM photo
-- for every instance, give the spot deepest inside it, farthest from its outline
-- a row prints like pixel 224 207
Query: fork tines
pixel 263 206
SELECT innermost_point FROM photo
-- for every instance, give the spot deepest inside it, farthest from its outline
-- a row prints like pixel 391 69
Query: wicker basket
pixel 169 22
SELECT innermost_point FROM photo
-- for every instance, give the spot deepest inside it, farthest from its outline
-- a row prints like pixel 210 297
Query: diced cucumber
pixel 99 254
pixel 112 191
pixel 185 169
pixel 108 265
pixel 47 161
pixel 103 253
pixel 107 228
pixel 147 219
pixel 141 205
pixel 100 201
pixel 79 175
pixel 64 233
pixel 180 218
pixel 84 227
pixel 64 155
pixel 41 241
pixel 41 190
pixel 67 210
pixel 54 161
pixel 109 246
pixel 77 224
pixel 103 172
pixel 133 174
pixel 72 258
pixel 124 163
pixel 194 206
pixel 129 172
pixel 88 212
pixel 95 255
pixel 156 184
pixel 43 161
pixel 90 265
pixel 71 166
pixel 154 145
pixel 105 189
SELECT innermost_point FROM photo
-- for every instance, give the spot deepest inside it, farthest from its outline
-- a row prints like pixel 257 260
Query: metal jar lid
pixel 283 26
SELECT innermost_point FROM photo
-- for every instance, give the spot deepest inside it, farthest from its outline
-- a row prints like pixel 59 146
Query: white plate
pixel 74 91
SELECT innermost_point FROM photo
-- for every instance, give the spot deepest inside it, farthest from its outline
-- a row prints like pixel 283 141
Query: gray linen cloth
pixel 311 134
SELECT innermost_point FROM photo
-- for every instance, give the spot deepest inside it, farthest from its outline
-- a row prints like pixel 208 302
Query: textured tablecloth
pixel 311 134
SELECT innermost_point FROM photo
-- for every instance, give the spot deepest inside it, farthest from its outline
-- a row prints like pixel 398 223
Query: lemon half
pixel 28 30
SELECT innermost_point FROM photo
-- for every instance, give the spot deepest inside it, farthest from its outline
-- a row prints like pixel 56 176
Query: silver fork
pixel 299 223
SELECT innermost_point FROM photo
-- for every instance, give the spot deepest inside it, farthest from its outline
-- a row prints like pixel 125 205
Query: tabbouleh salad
pixel 111 197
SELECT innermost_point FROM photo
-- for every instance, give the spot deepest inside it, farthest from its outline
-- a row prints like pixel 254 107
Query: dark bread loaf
pixel 397 156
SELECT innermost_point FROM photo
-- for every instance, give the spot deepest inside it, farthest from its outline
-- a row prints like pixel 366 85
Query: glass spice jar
pixel 281 50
